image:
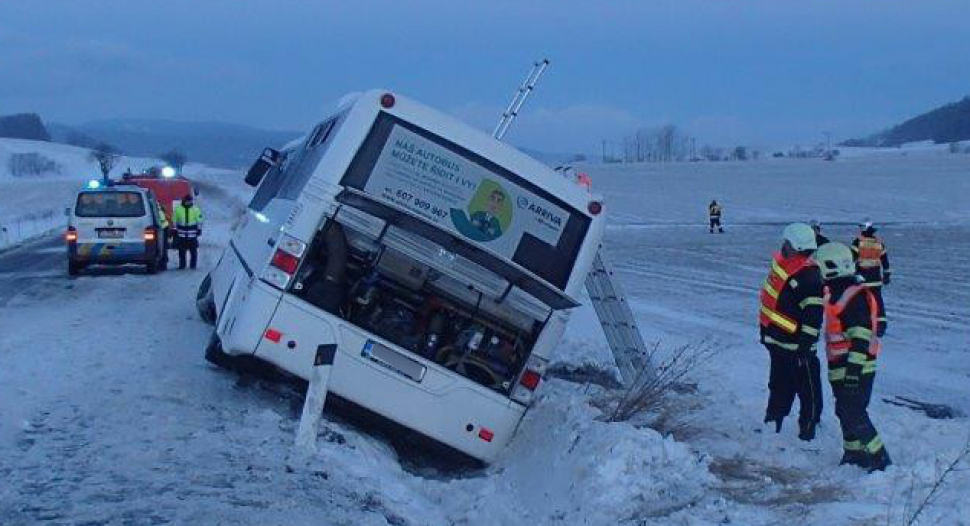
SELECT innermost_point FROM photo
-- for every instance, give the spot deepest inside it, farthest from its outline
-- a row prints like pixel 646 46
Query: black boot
pixel 853 458
pixel 777 420
pixel 878 462
pixel 806 430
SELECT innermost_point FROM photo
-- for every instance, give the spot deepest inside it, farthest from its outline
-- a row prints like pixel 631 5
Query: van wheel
pixel 151 267
pixel 73 269
pixel 214 354
pixel 204 301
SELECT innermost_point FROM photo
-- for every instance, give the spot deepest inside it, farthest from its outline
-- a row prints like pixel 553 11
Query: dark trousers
pixel 791 376
pixel 190 245
pixel 851 406
pixel 877 292
pixel 716 223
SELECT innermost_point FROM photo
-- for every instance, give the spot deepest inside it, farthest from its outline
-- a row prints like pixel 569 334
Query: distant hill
pixel 948 123
pixel 23 126
pixel 213 143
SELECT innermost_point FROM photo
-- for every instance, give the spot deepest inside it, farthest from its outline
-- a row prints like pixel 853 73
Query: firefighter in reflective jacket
pixel 188 227
pixel 790 320
pixel 714 214
pixel 852 345
pixel 872 263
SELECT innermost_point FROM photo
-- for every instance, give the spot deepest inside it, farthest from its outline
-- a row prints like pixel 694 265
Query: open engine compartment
pixel 390 285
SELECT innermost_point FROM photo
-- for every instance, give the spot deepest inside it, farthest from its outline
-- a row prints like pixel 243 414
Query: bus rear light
pixel 486 434
pixel 530 380
pixel 150 235
pixel 288 263
pixel 525 390
pixel 285 262
pixel 273 335
pixel 387 100
pixel 70 235
pixel 595 207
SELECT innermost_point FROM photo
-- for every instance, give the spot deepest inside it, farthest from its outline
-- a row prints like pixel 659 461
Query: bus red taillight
pixel 486 434
pixel 70 235
pixel 286 262
pixel 530 379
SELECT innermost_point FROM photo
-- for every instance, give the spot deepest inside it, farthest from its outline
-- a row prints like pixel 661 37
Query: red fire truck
pixel 167 187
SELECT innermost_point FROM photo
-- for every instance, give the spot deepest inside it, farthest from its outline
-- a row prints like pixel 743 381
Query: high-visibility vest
pixel 186 217
pixel 782 270
pixel 871 251
pixel 715 210
pixel 837 343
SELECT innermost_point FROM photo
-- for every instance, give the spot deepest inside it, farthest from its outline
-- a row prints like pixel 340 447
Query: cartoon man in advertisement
pixel 489 213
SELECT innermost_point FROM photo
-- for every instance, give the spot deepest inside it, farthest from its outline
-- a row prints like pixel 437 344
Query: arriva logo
pixel 522 201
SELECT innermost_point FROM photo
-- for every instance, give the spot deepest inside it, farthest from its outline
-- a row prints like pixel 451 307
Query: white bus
pixel 435 266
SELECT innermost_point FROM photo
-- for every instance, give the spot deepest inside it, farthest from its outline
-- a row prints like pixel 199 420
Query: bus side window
pixel 270 185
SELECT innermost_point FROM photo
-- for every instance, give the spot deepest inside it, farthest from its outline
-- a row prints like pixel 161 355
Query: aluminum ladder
pixel 612 309
pixel 619 325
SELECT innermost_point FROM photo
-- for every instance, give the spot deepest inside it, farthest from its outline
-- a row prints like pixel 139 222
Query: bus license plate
pixel 394 360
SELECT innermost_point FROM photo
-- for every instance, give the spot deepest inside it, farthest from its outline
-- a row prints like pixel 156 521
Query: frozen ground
pixel 108 413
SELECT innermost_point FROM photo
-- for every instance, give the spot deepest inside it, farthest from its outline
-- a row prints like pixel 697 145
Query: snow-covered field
pixel 34 205
pixel 108 413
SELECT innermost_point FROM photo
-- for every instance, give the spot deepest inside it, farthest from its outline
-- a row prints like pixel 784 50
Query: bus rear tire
pixel 151 267
pixel 204 302
pixel 73 269
pixel 215 355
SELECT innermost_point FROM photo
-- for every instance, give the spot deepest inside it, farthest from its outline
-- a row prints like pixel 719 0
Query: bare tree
pixel 106 156
pixel 175 158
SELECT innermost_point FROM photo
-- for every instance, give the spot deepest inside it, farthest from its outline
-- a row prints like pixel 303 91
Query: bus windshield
pixel 470 197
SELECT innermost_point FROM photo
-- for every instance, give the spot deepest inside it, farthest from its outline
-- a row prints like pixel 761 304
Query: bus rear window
pixel 472 198
pixel 109 204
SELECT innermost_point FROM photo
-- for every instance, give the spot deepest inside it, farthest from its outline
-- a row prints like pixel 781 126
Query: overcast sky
pixel 764 72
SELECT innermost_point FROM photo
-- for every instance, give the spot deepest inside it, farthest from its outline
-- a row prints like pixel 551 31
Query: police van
pixel 114 225
pixel 436 263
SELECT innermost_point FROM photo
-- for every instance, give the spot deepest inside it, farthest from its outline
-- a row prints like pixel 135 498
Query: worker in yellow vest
pixel 187 217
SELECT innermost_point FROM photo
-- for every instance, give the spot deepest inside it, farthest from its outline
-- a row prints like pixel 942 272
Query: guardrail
pixel 17 230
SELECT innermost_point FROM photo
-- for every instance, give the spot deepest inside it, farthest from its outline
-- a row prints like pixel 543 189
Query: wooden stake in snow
pixel 316 396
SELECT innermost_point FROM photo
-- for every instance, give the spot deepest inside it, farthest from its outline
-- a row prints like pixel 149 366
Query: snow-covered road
pixel 109 414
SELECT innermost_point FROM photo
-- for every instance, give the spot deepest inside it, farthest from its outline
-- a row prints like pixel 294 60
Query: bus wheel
pixel 214 354
pixel 204 301
pixel 73 269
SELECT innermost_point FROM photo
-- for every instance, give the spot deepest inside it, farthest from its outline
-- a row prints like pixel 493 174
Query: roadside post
pixel 316 396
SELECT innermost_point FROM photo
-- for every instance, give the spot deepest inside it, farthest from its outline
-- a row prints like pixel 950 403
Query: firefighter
pixel 188 227
pixel 851 345
pixel 714 213
pixel 872 264
pixel 820 238
pixel 790 320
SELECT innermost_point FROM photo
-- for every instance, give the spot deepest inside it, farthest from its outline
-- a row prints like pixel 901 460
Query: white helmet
pixel 800 236
pixel 835 261
pixel 866 224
